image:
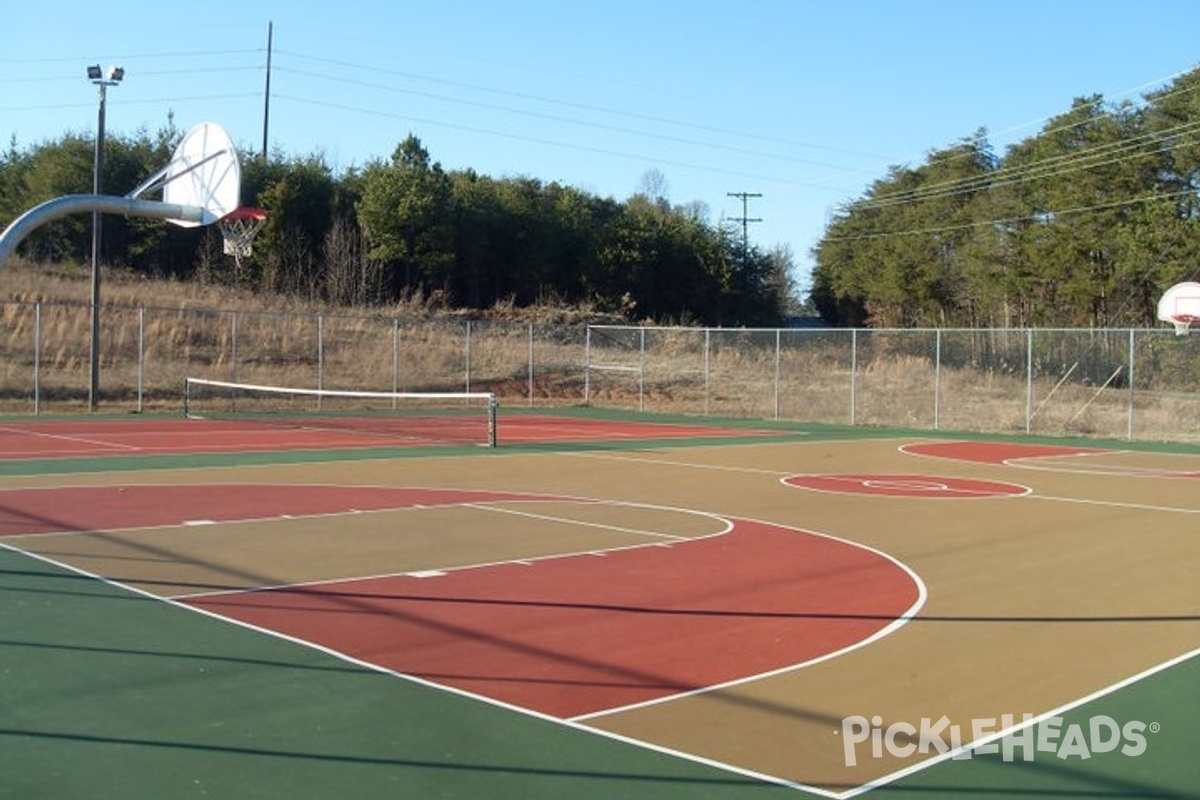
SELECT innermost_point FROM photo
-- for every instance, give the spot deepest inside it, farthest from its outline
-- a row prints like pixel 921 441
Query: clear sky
pixel 803 101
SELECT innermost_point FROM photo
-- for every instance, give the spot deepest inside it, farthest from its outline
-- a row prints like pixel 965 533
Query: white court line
pixel 998 735
pixel 525 560
pixel 74 439
pixel 1058 462
pixel 582 523
pixel 1116 504
pixel 909 614
pixel 580 722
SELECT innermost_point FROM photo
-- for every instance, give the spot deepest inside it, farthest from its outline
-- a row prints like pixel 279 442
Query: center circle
pixel 891 485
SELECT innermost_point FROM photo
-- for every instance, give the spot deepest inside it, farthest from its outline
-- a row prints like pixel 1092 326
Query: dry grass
pixel 156 333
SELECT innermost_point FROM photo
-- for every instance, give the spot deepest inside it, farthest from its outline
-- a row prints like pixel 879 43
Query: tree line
pixel 1084 223
pixel 404 227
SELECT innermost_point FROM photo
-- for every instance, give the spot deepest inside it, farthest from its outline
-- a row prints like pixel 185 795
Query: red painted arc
pixel 582 635
pixel 566 636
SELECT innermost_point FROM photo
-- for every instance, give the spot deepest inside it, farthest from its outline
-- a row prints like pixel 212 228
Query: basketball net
pixel 238 228
pixel 1183 323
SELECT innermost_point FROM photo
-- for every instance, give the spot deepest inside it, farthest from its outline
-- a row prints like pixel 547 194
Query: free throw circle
pixel 891 485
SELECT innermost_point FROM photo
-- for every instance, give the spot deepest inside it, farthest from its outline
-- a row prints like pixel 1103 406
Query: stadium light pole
pixel 103 80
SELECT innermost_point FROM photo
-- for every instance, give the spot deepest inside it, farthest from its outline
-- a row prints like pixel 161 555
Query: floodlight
pixel 94 72
pixel 116 73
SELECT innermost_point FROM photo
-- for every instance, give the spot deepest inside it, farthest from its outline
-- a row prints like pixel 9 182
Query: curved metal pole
pixel 69 204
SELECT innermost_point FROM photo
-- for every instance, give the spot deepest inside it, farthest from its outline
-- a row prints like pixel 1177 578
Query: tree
pixel 301 201
pixel 405 214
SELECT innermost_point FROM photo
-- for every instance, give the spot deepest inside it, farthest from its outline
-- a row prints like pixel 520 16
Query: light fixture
pixel 97 75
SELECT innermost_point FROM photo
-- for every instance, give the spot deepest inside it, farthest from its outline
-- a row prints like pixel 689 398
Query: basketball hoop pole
pixel 69 204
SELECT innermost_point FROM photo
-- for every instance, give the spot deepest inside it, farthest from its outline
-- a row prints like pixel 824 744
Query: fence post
pixel 778 356
pixel 707 368
pixel 530 336
pixel 37 357
pixel 937 379
pixel 395 358
pixel 587 366
pixel 233 348
pixel 320 356
pixel 1132 350
pixel 853 375
pixel 467 357
pixel 1028 380
pixel 141 358
pixel 642 368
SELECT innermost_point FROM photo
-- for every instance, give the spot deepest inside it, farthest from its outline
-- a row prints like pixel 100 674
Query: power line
pixel 1011 220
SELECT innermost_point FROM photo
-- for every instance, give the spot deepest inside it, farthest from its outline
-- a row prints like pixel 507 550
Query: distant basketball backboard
pixel 1180 306
pixel 204 172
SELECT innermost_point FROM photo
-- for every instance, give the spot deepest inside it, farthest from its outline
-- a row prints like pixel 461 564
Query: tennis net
pixel 416 417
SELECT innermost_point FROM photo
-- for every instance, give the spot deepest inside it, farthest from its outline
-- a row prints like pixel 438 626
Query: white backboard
pixel 205 172
pixel 1180 302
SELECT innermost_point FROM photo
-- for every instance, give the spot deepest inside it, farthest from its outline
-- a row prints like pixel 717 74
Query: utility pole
pixel 745 220
pixel 267 89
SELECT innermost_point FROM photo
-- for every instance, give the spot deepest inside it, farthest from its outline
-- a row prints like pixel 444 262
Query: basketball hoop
pixel 1180 306
pixel 239 227
pixel 1183 323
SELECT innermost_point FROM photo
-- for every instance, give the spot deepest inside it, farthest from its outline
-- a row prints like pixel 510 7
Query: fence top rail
pixel 704 329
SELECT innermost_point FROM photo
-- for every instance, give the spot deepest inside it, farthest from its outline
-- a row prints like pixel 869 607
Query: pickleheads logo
pixel 1100 734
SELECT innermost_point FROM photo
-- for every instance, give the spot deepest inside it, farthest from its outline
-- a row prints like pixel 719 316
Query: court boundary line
pixel 532 498
pixel 1104 691
pixel 575 723
pixel 80 439
pixel 929 763
pixel 911 613
pixel 520 710
pixel 572 723
pixel 1114 504
pixel 1030 462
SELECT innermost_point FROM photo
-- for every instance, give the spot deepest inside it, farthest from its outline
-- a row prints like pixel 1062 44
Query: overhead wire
pixel 1040 169
pixel 1055 167
pixel 517 137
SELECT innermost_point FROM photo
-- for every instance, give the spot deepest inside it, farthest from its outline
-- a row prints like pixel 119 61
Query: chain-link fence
pixel 1130 384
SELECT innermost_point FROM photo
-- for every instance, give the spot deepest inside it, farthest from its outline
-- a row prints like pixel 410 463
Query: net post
pixel 186 387
pixel 493 407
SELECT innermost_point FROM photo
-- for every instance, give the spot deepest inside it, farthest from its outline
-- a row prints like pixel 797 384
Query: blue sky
pixel 803 101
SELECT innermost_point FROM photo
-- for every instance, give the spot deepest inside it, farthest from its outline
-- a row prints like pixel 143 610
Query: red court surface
pixel 996 452
pixel 93 508
pixel 133 437
pixel 1028 455
pixel 583 634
